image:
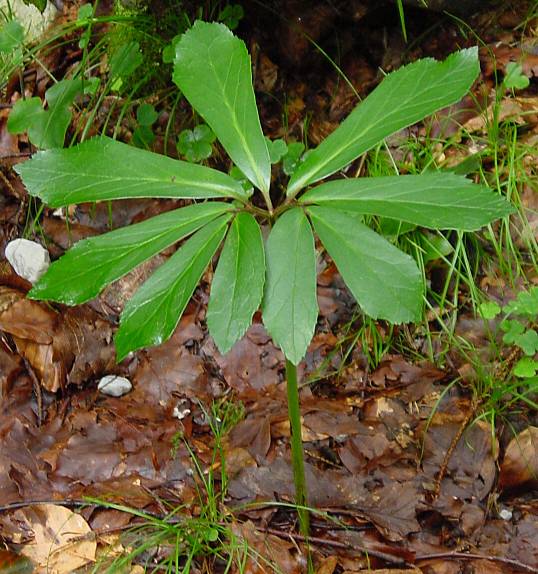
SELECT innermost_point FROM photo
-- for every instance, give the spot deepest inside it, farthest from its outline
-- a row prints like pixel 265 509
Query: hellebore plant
pixel 213 70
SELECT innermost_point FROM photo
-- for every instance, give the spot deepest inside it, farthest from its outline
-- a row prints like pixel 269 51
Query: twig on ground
pixel 465 556
pixel 450 451
pixel 336 544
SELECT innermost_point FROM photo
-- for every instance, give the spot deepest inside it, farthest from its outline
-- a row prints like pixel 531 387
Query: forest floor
pixel 421 442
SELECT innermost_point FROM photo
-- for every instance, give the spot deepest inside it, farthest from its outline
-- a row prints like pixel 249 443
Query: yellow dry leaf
pixel 63 540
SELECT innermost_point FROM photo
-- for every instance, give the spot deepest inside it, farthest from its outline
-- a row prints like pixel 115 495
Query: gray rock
pixel 28 258
pixel 114 386
pixel 34 23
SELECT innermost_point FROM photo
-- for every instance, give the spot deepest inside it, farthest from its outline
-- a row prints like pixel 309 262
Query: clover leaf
pixel 526 368
pixel 514 78
pixel 232 15
pixel 195 144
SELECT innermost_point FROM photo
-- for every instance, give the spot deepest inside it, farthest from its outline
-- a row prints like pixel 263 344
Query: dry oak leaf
pixel 62 542
pixel 520 464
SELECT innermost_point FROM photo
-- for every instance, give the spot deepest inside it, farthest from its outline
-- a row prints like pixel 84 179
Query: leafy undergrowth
pixel 421 442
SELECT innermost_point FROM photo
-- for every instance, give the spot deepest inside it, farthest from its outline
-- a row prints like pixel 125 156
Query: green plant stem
pixel 297 453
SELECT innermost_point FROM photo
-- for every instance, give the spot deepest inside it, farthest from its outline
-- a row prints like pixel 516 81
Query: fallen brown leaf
pixel 327 565
pixel 268 552
pixel 68 347
pixel 62 542
pixel 520 464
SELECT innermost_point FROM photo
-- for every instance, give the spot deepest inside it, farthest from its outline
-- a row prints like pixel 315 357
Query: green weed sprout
pixel 519 327
pixel 212 68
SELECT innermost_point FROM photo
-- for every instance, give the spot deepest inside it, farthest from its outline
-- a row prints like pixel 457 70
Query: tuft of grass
pixel 198 538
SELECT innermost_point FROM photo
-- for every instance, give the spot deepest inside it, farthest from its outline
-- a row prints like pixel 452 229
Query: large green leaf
pixel 434 200
pixel 102 168
pixel 212 69
pixel 93 263
pixel 403 98
pixel 290 307
pixel 237 286
pixel 386 282
pixel 151 316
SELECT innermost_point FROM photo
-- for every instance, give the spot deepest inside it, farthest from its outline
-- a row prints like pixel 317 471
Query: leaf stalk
pixel 297 453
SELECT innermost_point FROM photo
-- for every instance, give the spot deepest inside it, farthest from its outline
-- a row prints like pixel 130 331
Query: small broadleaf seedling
pixel 514 78
pixel 213 70
pixel 231 15
pixel 196 144
pixel 518 325
pixel 146 116
pixel 46 127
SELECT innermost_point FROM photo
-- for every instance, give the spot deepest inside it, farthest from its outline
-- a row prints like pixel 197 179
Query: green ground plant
pixel 507 382
pixel 518 324
pixel 180 542
pixel 47 122
pixel 212 69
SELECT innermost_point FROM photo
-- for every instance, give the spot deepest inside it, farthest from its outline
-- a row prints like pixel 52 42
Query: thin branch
pixel 465 556
pixel 336 544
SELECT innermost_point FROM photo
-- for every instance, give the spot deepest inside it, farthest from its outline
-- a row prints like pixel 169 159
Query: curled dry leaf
pixel 62 542
pixel 67 347
pixel 520 464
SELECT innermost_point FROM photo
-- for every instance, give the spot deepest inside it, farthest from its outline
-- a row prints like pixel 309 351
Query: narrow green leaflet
pixel 126 60
pixel 151 316
pixel 237 287
pixel 101 169
pixel 433 200
pixel 225 97
pixel 403 98
pixel 386 282
pixel 290 307
pixel 94 263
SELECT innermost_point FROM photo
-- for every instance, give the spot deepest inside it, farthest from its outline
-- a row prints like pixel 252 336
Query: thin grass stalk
pixel 297 453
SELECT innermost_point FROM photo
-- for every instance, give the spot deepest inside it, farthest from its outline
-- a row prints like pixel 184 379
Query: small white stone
pixel 29 259
pixel 114 386
pixel 180 413
pixel 180 410
pixel 505 514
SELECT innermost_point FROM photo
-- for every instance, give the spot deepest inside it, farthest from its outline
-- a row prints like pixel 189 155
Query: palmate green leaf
pixel 237 287
pixel 403 98
pixel 151 316
pixel 385 282
pixel 102 169
pixel 212 69
pixel 290 307
pixel 94 263
pixel 433 200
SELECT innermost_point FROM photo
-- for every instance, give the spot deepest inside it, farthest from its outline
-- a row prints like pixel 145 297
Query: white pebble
pixel 29 259
pixel 505 514
pixel 114 386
